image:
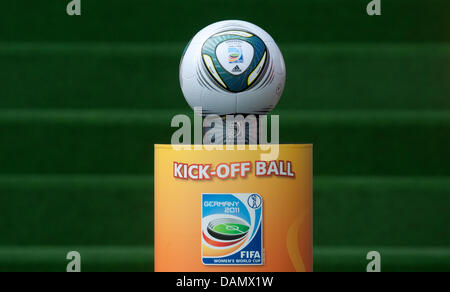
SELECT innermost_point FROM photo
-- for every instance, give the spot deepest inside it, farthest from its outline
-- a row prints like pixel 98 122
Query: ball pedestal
pixel 265 220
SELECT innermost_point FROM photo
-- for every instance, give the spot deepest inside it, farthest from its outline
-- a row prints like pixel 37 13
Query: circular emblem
pixel 254 201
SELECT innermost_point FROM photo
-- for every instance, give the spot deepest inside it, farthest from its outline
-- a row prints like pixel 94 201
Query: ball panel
pixel 189 61
pixel 220 103
pixel 209 63
pixel 235 32
pixel 235 58
pixel 192 90
pixel 256 72
pixel 277 58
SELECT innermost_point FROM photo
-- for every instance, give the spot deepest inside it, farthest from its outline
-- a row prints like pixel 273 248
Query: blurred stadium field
pixel 83 100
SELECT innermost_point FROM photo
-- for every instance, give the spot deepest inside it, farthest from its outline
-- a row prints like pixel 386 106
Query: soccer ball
pixel 232 67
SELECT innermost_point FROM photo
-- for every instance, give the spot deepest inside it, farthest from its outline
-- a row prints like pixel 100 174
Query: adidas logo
pixel 236 69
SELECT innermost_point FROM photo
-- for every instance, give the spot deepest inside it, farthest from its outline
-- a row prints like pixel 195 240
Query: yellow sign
pixel 226 210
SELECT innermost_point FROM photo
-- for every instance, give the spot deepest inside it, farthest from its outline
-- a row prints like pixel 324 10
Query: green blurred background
pixel 83 100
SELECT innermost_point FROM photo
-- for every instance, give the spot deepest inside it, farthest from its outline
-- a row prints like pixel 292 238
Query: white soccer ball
pixel 232 67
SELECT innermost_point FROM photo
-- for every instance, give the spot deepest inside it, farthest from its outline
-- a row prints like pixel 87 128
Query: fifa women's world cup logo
pixel 232 229
pixel 235 55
